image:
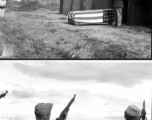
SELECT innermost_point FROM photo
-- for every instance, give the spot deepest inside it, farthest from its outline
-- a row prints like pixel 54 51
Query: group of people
pixel 43 111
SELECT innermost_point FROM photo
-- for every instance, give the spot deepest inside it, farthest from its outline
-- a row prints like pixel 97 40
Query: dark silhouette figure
pixel 64 113
pixel 143 112
pixel 3 95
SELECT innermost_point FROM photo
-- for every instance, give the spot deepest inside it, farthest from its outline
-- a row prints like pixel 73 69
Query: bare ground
pixel 45 34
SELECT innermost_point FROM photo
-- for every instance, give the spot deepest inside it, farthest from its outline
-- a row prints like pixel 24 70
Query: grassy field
pixel 20 45
pixel 31 30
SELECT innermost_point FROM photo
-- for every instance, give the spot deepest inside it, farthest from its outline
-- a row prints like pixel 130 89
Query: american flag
pixel 103 16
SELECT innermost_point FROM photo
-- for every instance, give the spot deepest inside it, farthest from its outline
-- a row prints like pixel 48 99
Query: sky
pixel 103 89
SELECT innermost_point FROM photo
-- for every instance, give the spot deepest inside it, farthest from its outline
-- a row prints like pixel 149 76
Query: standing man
pixel 118 7
pixel 132 113
pixel 64 113
pixel 43 111
pixel 3 95
pixel 2 7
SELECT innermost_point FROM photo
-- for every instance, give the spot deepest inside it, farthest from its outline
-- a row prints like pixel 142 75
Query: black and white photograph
pixel 75 29
pixel 75 90
pixel 75 60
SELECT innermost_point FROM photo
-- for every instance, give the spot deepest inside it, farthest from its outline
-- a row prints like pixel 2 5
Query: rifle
pixel 64 113
pixel 69 104
pixel 3 95
pixel 143 112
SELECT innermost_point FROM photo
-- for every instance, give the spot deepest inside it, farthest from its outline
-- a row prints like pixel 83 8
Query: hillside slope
pixel 46 34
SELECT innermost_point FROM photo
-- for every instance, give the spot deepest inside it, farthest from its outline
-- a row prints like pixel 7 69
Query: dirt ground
pixel 52 37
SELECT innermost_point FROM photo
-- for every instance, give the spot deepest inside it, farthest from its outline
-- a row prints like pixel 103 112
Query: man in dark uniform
pixel 118 6
pixel 64 113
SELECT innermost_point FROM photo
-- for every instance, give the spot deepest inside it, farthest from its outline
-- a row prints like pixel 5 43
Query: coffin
pixel 104 16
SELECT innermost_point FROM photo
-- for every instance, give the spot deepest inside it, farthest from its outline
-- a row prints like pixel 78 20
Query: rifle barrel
pixel 144 104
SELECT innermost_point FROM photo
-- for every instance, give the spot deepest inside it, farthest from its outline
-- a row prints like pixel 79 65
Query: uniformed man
pixel 132 113
pixel 3 95
pixel 64 113
pixel 2 7
pixel 43 111
pixel 118 7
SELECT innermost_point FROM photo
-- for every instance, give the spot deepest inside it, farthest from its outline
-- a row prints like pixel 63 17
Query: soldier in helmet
pixel 43 111
pixel 132 113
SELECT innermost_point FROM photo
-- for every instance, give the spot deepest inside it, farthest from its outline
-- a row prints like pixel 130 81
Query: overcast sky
pixel 104 89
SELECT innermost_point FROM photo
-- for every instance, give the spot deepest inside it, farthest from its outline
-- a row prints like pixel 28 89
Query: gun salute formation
pixel 43 111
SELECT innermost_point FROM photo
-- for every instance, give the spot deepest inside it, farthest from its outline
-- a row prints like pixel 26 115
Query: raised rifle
pixel 143 112
pixel 64 113
pixel 3 95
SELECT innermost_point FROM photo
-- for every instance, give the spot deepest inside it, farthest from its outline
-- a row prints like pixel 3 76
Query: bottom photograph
pixel 75 90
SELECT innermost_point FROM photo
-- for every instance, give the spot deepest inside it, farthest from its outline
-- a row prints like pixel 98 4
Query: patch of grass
pixel 94 41
pixel 2 21
pixel 106 49
pixel 137 29
pixel 39 50
pixel 49 24
pixel 63 54
pixel 25 47
pixel 109 52
pixel 12 6
pixel 72 30
pixel 53 30
pixel 29 6
pixel 62 18
pixel 1 48
pixel 116 51
pixel 77 46
pixel 51 6
pixel 13 35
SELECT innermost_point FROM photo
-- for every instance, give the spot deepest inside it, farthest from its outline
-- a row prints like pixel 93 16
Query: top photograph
pixel 75 29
